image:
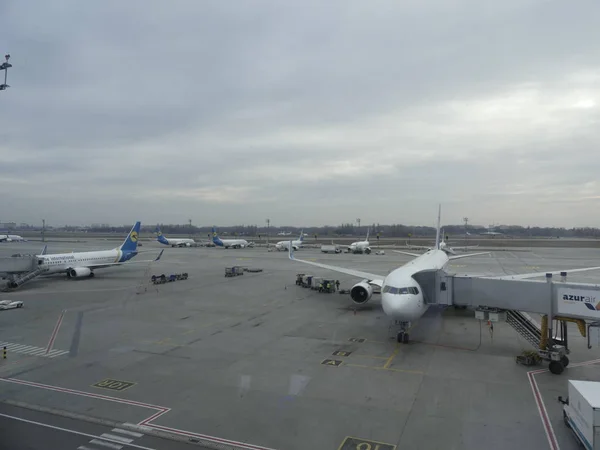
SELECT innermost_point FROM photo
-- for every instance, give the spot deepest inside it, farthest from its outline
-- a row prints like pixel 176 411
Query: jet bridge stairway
pixel 525 327
pixel 21 280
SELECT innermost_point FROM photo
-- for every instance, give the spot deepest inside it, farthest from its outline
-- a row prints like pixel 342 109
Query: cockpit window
pixel 400 291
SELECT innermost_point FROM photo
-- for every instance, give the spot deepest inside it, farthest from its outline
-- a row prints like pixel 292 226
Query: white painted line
pixel 31 350
pixel 116 438
pixel 83 447
pixel 16 347
pixel 66 430
pixel 106 444
pixel 38 352
pixel 127 432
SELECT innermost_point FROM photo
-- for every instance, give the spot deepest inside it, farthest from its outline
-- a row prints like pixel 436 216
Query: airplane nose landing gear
pixel 403 337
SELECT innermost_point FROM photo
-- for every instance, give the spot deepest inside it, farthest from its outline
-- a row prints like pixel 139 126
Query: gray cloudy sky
pixel 305 112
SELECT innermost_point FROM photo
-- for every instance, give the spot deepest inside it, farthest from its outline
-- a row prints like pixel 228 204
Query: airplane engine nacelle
pixel 79 272
pixel 295 247
pixel 361 292
pixel 187 244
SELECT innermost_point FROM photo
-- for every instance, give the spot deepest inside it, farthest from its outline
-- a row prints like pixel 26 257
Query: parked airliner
pixel 360 246
pixel 173 242
pixel 83 264
pixel 11 238
pixel 443 246
pixel 284 245
pixel 402 297
pixel 229 243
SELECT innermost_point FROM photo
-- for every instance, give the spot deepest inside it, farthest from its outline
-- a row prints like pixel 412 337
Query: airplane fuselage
pixel 177 242
pixel 61 262
pixel 359 247
pixel 401 295
pixel 283 245
pixel 232 243
pixel 11 238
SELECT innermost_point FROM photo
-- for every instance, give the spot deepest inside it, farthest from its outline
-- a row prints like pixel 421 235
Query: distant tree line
pixel 348 229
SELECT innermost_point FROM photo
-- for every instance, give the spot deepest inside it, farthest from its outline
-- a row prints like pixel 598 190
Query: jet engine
pixel 361 292
pixel 79 272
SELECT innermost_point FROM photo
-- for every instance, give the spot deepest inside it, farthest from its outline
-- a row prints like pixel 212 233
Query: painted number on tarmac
pixel 356 339
pixel 352 443
pixel 115 385
pixel 341 353
pixel 331 362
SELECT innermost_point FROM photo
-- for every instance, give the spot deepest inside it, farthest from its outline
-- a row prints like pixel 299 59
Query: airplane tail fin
pixel 215 237
pixel 131 241
pixel 437 234
pixel 301 239
pixel 44 250
pixel 159 236
pixel 368 229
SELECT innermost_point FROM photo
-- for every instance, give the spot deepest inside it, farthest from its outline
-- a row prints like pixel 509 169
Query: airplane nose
pixel 400 307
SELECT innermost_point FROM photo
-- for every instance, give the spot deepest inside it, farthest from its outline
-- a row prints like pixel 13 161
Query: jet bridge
pixel 21 269
pixel 510 300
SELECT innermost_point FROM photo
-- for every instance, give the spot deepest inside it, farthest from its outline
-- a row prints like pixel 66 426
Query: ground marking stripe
pixel 20 419
pixel 117 438
pixel 106 444
pixel 129 433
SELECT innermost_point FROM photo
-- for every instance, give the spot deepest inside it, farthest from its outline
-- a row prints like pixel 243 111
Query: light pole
pixel 43 230
pixel 5 66
pixel 268 223
pixel 466 220
pixel 358 220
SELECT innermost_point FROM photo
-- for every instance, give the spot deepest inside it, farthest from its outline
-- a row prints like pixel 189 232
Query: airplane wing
pixel 407 253
pixel 467 255
pixel 372 278
pixel 523 276
pixel 97 266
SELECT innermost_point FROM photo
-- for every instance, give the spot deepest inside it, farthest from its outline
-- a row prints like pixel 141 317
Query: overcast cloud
pixel 307 113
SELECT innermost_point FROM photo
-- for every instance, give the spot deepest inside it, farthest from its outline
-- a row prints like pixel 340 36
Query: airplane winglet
pixel 159 255
pixel 291 251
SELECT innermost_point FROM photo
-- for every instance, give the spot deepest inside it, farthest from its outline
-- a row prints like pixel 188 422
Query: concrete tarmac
pixel 257 362
pixel 25 429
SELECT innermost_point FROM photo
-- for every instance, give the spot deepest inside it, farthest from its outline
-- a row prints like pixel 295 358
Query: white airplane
pixel 283 245
pixel 173 242
pixel 230 243
pixel 360 246
pixel 443 246
pixel 83 264
pixel 402 297
pixel 11 238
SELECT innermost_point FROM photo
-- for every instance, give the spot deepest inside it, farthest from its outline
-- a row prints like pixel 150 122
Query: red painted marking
pixel 542 409
pixel 160 410
pixel 84 394
pixel 55 332
pixel 540 402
